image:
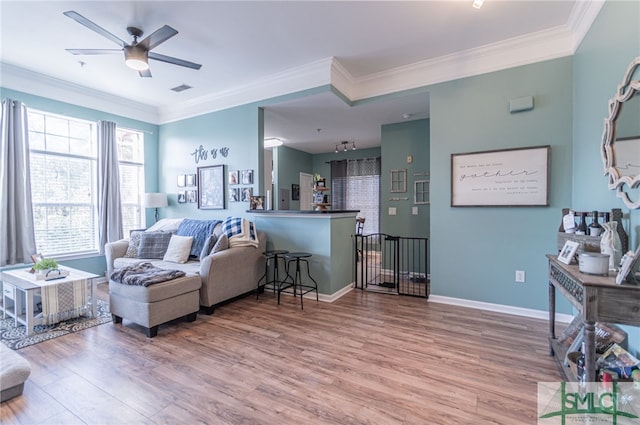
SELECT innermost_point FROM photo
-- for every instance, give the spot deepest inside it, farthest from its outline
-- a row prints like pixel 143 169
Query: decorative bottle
pixel 595 228
pixel 582 227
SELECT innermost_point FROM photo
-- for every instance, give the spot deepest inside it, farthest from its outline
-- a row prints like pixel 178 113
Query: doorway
pixel 306 191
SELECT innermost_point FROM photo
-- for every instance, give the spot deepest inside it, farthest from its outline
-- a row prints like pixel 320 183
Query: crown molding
pixel 537 47
pixel 37 84
pixel 581 19
pixel 517 51
pixel 300 78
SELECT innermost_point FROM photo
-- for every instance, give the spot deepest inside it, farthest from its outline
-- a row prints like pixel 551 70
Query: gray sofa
pixel 225 275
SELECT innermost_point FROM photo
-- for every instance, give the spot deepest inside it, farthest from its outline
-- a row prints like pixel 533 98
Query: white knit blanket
pixel 64 300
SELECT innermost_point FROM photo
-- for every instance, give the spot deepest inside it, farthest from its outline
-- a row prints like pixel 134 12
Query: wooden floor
pixel 365 359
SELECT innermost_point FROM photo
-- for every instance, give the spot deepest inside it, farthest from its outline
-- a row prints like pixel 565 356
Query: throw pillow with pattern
pixel 153 245
pixel 134 242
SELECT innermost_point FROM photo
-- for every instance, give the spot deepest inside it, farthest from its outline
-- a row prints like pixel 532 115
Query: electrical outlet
pixel 414 210
pixel 392 210
pixel 520 276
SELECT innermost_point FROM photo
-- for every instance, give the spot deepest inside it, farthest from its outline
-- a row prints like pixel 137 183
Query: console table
pixel 597 299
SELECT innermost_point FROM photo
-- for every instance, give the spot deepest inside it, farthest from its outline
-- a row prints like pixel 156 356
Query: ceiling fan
pixel 136 54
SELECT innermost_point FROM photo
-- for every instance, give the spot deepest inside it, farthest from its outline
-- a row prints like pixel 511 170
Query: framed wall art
pixel 182 179
pixel 191 180
pixel 233 177
pixel 211 187
pixel 508 177
pixel 246 176
pixel 421 192
pixel 234 194
pixel 398 182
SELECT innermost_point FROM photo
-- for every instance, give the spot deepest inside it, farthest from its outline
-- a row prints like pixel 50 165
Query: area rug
pixel 15 337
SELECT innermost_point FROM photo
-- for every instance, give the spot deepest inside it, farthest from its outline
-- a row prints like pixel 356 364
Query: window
pixel 131 165
pixel 63 162
pixel 355 185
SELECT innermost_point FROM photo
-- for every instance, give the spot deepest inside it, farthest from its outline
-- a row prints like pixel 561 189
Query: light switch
pixel 414 210
pixel 409 159
pixel 392 210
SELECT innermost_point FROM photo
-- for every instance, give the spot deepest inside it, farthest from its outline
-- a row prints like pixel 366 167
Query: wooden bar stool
pixel 274 256
pixel 296 279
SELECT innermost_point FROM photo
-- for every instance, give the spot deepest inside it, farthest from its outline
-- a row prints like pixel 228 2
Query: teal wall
pixel 97 264
pixel 599 66
pixel 237 129
pixel 288 163
pixel 398 142
pixel 476 251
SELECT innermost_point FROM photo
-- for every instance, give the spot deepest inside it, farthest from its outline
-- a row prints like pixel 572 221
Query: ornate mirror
pixel 621 138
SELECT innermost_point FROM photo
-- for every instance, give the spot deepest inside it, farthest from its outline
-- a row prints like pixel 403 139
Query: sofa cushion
pixel 166 225
pixel 153 244
pixel 199 229
pixel 134 243
pixel 178 249
pixel 240 232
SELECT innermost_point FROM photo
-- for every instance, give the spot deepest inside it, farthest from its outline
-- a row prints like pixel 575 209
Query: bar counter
pixel 327 235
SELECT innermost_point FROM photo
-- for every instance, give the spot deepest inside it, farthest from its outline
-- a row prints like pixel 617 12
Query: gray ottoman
pixel 14 370
pixel 153 305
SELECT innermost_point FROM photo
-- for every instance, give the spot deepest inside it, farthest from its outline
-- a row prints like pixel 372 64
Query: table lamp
pixel 155 200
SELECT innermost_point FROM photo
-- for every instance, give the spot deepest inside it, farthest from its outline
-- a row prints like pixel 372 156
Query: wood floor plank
pixel 364 359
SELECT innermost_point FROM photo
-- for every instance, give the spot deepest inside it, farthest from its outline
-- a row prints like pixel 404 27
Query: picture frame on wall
pixel 516 177
pixel 190 180
pixel 182 197
pixel 192 196
pixel 233 177
pixel 182 180
pixel 295 192
pixel 234 194
pixel 246 177
pixel 211 187
pixel 246 193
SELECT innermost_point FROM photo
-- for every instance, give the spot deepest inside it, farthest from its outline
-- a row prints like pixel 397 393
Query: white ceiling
pixel 252 50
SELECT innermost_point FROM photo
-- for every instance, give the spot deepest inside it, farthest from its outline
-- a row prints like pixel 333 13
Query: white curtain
pixel 109 205
pixel 17 234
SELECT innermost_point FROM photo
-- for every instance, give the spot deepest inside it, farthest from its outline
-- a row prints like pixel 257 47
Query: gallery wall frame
pixel 211 195
pixel 517 177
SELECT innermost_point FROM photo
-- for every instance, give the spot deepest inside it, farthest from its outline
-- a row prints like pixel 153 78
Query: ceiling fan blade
pixel 174 61
pixel 145 73
pixel 94 27
pixel 159 36
pixel 93 51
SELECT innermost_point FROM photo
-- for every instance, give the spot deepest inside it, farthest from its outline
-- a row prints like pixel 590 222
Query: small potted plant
pixel 45 265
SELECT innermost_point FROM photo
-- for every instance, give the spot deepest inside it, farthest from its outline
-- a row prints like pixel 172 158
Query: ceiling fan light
pixel 136 58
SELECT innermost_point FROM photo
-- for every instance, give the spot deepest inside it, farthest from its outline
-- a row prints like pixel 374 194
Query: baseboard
pixel 327 298
pixel 501 308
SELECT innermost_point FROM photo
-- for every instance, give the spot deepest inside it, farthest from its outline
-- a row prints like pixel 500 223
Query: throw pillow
pixel 153 244
pixel 221 244
pixel 134 242
pixel 178 249
pixel 199 229
pixel 208 245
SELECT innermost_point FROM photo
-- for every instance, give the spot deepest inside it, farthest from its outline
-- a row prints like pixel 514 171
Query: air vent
pixel 181 87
